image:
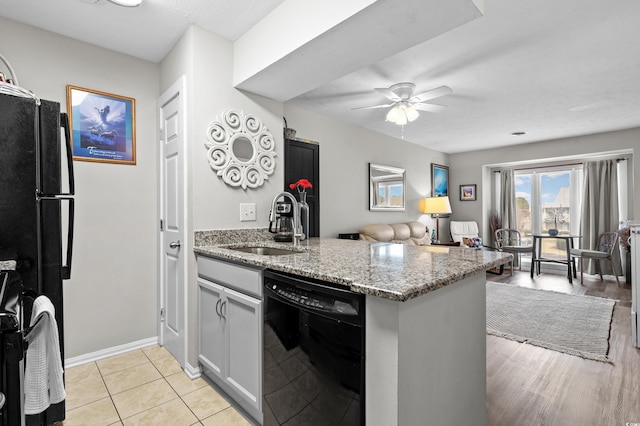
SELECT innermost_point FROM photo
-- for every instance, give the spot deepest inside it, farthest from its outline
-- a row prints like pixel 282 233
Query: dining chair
pixel 607 243
pixel 510 241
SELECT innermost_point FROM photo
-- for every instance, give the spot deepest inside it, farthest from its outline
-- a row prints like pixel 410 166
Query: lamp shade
pixel 436 205
pixel 412 113
pixel 397 116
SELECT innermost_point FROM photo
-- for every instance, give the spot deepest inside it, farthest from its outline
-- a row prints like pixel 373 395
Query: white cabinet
pixel 230 330
pixel 211 336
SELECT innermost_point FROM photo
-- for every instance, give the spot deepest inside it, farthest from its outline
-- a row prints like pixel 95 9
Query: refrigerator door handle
pixel 66 266
pixel 64 123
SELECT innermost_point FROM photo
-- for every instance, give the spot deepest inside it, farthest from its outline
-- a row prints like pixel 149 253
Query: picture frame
pixel 439 180
pixel 439 183
pixel 468 192
pixel 102 126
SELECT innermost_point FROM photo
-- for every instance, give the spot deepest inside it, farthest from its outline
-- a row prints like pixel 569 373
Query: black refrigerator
pixel 36 212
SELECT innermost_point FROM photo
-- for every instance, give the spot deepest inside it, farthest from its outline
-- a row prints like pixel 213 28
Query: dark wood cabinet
pixel 302 161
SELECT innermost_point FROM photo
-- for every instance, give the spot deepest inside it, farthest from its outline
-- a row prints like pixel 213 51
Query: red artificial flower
pixel 304 183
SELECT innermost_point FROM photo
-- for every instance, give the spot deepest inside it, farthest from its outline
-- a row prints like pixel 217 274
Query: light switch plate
pixel 247 212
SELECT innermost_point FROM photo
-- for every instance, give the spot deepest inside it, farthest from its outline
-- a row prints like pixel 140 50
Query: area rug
pixel 575 325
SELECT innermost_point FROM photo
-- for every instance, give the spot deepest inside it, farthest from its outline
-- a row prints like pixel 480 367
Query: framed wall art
pixel 468 192
pixel 439 180
pixel 103 126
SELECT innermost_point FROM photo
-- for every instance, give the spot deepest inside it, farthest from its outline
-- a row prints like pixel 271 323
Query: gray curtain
pixel 599 208
pixel 508 204
pixel 508 200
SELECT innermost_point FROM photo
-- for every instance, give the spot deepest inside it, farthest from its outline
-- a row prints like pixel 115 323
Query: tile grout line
pixel 109 393
pixel 198 420
pixel 174 389
pixel 163 377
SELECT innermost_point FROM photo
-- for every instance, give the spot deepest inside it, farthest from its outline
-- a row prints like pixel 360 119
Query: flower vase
pixel 303 197
pixel 304 214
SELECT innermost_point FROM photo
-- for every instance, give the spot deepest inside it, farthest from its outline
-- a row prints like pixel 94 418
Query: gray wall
pixel 111 297
pixel 345 154
pixel 468 167
pixel 205 59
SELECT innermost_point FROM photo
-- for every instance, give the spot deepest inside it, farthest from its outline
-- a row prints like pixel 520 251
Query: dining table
pixel 537 258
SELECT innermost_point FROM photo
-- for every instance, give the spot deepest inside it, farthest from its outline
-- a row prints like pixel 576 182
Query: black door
pixel 302 161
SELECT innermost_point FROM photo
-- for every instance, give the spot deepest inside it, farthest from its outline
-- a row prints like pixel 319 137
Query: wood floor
pixel 528 385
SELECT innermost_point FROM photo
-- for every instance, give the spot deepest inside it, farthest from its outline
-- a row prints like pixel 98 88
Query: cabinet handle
pixel 221 308
pixel 217 304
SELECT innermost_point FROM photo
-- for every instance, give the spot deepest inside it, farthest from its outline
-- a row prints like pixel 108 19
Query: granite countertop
pixel 393 271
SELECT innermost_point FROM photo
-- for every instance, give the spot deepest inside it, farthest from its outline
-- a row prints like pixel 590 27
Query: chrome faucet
pixel 297 226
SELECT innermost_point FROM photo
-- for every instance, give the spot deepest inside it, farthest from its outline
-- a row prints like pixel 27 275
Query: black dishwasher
pixel 314 357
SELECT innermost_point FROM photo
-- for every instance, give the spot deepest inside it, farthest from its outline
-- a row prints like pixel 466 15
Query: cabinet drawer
pixel 244 279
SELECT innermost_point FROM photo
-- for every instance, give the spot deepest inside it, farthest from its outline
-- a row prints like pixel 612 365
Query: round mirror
pixel 240 149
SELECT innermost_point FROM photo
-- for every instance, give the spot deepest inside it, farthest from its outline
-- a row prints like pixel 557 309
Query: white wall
pixel 110 299
pixel 467 167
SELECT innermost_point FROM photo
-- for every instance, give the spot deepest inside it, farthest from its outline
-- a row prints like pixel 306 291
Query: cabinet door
pixel 211 333
pixel 302 160
pixel 243 316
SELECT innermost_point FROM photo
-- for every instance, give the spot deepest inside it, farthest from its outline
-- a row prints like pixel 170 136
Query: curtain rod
pixel 559 165
pixel 546 167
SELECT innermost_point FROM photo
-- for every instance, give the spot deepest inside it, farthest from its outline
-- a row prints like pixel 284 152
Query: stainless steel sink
pixel 266 251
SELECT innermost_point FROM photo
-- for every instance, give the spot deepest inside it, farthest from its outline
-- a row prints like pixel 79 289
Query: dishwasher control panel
pixel 312 300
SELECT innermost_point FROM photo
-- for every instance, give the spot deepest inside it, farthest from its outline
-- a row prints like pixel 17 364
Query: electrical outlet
pixel 247 212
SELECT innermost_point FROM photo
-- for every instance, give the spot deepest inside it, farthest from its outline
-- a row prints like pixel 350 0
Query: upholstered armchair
pixel 463 229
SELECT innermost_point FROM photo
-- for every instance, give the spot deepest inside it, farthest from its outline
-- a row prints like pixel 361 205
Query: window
pixel 548 198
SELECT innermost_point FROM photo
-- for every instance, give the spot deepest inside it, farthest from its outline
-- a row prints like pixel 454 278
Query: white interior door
pixel 172 259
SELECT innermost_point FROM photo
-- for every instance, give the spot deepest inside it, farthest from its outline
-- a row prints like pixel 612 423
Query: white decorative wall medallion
pixel 240 149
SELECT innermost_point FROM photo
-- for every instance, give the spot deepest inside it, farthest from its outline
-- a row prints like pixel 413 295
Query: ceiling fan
pixel 404 104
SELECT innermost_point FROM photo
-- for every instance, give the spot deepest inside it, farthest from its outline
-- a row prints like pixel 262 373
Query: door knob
pixel 174 244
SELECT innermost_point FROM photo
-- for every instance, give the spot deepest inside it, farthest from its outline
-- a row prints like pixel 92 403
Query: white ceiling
pixel 550 68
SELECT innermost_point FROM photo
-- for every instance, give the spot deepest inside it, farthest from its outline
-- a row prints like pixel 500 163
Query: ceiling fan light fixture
pixel 393 115
pixel 402 114
pixel 127 3
pixel 412 113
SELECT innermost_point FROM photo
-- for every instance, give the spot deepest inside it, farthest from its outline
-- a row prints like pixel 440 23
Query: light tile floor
pixel 143 387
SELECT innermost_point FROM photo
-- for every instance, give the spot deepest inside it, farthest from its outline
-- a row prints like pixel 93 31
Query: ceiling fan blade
pixel 385 91
pixel 433 93
pixel 373 106
pixel 429 107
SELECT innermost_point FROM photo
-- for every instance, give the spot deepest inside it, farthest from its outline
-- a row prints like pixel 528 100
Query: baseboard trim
pixel 105 353
pixel 192 372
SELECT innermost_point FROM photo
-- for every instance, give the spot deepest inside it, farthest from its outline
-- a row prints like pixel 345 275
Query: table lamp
pixel 437 206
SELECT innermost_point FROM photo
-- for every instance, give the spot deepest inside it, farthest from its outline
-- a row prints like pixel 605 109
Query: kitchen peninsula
pixel 424 315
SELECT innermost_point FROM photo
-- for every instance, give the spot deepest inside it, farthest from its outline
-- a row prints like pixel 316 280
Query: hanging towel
pixel 43 384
